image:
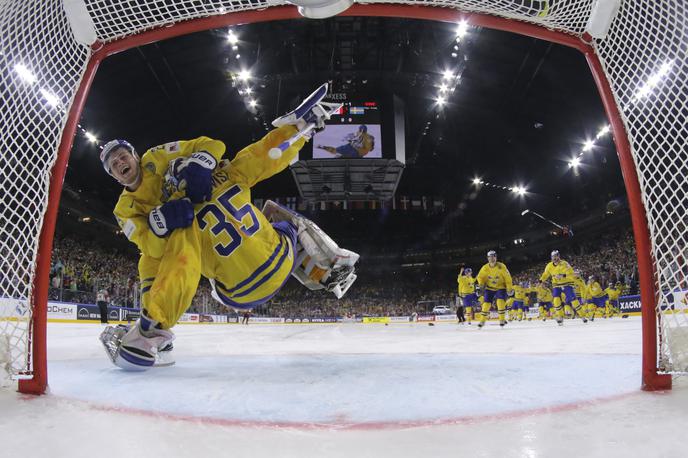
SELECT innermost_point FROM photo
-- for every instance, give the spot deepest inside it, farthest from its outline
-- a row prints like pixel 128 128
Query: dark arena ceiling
pixel 518 113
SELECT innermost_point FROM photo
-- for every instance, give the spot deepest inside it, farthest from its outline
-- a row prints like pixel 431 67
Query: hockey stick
pixel 276 152
pixel 525 212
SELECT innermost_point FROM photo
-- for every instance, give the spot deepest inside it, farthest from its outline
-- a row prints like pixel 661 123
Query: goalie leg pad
pixel 134 349
pixel 320 263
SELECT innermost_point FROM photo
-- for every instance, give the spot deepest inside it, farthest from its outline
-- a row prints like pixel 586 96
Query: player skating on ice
pixel 466 290
pixel 613 292
pixel 562 277
pixel 544 298
pixel 190 214
pixel 597 298
pixel 495 280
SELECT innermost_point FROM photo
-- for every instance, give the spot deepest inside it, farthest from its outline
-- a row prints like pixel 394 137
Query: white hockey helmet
pixel 113 145
pixel 555 253
pixel 492 253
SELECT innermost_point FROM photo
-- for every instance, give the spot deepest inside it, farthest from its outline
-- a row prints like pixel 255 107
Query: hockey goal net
pixel 640 66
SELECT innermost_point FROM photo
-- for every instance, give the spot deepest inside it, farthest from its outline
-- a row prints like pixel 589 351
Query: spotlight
pixel 448 74
pixel 574 163
pixel 244 75
pixel 232 38
pixel 588 145
pixel 461 29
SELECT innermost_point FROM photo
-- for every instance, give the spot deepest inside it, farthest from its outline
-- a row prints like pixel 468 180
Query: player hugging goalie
pixel 190 214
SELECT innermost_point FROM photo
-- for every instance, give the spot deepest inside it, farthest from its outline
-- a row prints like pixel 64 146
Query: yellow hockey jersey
pixel 595 290
pixel 239 248
pixel 519 293
pixel 494 278
pixel 544 294
pixel 580 288
pixel 562 273
pixel 613 293
pixel 466 285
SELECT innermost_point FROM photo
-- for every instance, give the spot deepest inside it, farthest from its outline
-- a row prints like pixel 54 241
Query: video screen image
pixel 349 141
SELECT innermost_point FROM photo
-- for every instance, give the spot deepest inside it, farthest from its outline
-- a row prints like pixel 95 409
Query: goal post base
pixel 656 382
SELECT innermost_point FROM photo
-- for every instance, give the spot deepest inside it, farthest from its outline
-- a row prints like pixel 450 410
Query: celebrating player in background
pixel 561 273
pixel 358 144
pixel 190 214
pixel 613 292
pixel 467 291
pixel 597 298
pixel 544 298
pixel 519 304
pixel 495 280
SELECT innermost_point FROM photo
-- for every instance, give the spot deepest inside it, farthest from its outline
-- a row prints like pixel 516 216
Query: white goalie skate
pixel 312 112
pixel 319 263
pixel 129 349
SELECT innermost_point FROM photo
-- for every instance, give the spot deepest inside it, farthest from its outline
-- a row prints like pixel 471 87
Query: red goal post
pixel 646 112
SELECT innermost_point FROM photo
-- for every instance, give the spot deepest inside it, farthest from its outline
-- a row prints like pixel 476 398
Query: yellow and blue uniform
pixel 466 290
pixel 544 297
pixel 613 301
pixel 230 240
pixel 495 280
pixel 519 301
pixel 580 289
pixel 562 283
pixel 596 297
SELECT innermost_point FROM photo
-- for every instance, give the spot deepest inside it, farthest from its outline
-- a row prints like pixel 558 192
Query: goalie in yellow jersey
pixel 190 214
pixel 495 280
pixel 562 276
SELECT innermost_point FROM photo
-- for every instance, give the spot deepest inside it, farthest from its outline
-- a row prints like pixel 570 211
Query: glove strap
pixel 157 223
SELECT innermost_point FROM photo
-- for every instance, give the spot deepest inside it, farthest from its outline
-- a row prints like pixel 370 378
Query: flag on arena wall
pixel 302 205
pixel 258 203
pixel 404 202
pixel 416 203
pixel 425 203
pixel 291 203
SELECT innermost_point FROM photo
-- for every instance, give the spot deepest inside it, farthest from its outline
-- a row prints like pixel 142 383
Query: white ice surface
pixel 530 390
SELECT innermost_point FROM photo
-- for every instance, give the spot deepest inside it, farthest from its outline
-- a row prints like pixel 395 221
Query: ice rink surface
pixel 353 390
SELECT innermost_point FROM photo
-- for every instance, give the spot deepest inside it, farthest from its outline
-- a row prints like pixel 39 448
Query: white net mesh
pixel 39 62
pixel 644 57
pixel 646 63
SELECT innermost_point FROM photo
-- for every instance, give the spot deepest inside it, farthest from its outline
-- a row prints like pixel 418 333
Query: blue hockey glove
pixel 170 216
pixel 197 173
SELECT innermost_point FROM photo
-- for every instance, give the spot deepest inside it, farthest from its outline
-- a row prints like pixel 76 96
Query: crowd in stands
pixel 81 268
pixel 610 258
